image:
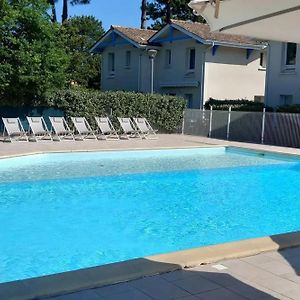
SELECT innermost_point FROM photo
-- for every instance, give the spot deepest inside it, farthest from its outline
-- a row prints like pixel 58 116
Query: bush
pixel 164 112
pixel 295 108
pixel 236 105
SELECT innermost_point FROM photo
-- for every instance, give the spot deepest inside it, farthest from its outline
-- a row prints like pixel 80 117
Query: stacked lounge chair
pixel 83 128
pixel 106 128
pixel 145 128
pixel 13 130
pixel 60 129
pixel 38 129
pixel 128 128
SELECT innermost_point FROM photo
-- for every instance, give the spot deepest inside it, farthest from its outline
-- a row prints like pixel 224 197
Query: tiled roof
pixel 203 31
pixel 140 36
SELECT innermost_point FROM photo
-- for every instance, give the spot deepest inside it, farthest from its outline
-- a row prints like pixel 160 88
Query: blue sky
pixel 113 12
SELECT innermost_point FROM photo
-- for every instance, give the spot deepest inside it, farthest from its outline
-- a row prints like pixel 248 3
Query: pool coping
pixel 111 150
pixel 73 281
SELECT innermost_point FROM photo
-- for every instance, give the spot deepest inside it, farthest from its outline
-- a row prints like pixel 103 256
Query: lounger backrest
pixel 13 125
pixel 126 124
pixel 81 125
pixel 142 124
pixel 37 125
pixel 58 124
pixel 104 125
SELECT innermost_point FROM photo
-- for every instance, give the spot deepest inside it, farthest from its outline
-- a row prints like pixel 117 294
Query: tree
pixel 80 33
pixel 32 56
pixel 144 14
pixel 162 11
pixel 53 10
pixel 72 2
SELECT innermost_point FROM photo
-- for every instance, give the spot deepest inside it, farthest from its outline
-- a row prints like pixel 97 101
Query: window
pixel 128 59
pixel 191 59
pixel 290 55
pixel 111 63
pixel 262 61
pixel 286 99
pixel 189 100
pixel 168 58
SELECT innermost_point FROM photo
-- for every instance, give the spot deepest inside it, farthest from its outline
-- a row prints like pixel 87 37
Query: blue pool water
pixel 62 212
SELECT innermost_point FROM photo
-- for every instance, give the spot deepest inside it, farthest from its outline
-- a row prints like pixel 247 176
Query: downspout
pixel 140 71
pixel 267 75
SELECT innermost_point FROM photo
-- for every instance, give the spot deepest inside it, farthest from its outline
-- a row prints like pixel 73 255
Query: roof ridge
pixel 133 28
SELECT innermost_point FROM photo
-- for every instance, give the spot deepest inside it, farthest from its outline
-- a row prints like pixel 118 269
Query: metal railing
pixel 279 129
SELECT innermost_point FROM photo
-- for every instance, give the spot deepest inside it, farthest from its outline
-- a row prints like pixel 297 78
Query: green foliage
pixel 236 105
pixel 295 108
pixel 32 57
pixel 160 11
pixel 80 33
pixel 164 112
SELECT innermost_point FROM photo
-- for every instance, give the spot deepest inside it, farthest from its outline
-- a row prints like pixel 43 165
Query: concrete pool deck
pixel 163 286
pixel 267 276
pixel 163 141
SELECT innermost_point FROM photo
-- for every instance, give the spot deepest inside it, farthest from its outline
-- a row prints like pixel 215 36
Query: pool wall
pixel 68 282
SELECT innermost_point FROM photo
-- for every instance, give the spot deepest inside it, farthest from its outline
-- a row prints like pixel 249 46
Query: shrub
pixel 236 105
pixel 295 108
pixel 164 112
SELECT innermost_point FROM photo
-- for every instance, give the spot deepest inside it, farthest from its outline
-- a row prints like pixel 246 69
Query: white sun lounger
pixel 13 130
pixel 60 128
pixel 129 128
pixel 83 128
pixel 38 128
pixel 145 128
pixel 106 128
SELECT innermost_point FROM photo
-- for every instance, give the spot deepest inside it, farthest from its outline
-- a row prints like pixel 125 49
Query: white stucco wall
pixel 227 75
pixel 230 75
pixel 186 82
pixel 279 80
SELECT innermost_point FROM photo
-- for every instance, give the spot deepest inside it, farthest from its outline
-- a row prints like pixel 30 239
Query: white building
pixel 190 62
pixel 283 74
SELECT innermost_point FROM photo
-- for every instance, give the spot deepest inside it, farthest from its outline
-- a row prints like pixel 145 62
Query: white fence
pixel 280 129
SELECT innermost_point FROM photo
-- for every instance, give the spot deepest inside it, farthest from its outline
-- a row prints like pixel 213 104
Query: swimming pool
pixel 62 212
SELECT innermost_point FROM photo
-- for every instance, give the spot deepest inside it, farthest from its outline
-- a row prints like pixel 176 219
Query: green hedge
pixel 164 112
pixel 295 108
pixel 236 105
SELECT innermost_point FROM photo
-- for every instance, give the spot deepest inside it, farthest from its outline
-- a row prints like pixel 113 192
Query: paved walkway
pixel 272 275
pixel 163 141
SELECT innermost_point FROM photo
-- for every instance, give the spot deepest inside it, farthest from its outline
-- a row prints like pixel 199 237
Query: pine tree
pixel 162 11
pixel 66 7
pixel 144 14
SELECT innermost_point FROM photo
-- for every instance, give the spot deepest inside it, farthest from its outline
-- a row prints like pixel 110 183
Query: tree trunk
pixel 53 9
pixel 168 11
pixel 65 11
pixel 144 14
